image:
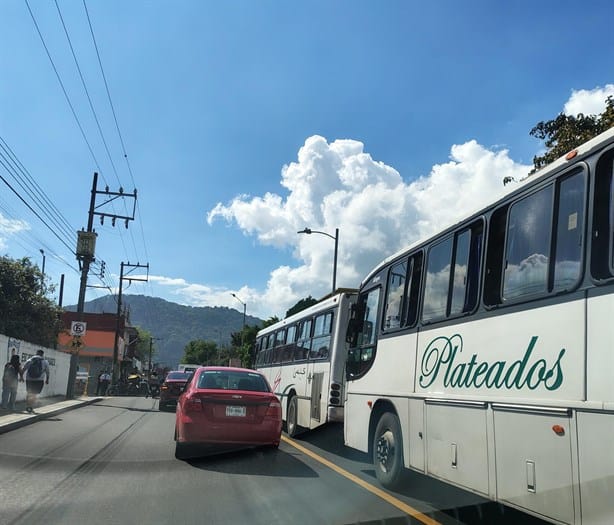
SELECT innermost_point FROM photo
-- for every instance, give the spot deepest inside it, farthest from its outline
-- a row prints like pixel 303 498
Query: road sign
pixel 77 328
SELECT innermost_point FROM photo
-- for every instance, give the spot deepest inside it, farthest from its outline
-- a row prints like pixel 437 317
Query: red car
pixel 227 406
pixel 171 388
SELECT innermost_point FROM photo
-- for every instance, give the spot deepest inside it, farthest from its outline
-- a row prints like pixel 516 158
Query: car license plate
pixel 232 411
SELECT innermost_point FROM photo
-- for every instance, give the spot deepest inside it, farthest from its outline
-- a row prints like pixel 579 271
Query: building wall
pixel 59 364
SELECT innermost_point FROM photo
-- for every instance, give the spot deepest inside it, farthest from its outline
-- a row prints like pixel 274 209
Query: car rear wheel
pixel 292 417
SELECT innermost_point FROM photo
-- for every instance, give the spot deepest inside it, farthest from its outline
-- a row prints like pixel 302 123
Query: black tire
pixel 388 450
pixel 111 391
pixel 292 417
pixel 182 450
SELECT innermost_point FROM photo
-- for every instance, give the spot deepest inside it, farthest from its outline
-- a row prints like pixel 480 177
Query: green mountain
pixel 175 324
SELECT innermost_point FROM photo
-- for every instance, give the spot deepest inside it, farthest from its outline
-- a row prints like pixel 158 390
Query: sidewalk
pixel 45 407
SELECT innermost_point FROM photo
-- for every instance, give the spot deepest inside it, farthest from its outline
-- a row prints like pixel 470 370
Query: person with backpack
pixel 37 370
pixel 10 379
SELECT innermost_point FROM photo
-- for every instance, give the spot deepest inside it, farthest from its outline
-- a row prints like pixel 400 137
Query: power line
pixel 87 93
pixel 119 133
pixel 27 183
pixel 57 74
pixel 32 209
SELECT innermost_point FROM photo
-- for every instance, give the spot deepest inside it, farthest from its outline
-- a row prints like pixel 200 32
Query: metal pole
pixel 74 359
pixel 43 269
pixel 116 342
pixel 309 231
pixel 335 261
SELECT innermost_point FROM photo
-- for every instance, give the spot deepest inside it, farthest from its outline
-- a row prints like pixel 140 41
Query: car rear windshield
pixel 178 376
pixel 233 381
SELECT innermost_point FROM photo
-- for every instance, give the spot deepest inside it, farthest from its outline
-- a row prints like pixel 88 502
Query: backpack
pixel 10 374
pixel 35 370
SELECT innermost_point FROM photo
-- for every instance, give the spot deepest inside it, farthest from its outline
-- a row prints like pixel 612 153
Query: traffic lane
pixel 439 500
pixel 114 463
pixel 36 459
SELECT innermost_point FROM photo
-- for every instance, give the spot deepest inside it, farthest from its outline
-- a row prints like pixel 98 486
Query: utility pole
pixel 151 340
pixel 123 277
pixel 86 249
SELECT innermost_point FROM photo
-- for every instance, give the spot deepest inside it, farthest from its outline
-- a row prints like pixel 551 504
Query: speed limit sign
pixel 77 328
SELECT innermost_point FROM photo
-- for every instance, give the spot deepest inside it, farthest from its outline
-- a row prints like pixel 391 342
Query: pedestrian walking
pixel 37 370
pixel 105 380
pixel 10 380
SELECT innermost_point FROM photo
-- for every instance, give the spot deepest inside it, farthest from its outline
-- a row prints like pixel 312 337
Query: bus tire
pixel 388 450
pixel 292 417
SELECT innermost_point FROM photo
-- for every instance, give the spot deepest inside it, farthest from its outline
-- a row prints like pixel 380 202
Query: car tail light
pixel 164 387
pixel 192 404
pixel 274 409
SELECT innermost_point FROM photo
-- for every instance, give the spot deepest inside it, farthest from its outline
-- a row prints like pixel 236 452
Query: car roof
pixel 228 369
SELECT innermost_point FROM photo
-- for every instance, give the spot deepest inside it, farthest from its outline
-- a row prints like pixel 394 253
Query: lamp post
pixel 309 231
pixel 43 268
pixel 244 308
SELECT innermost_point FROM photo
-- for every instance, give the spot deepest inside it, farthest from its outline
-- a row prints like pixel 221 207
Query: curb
pixel 22 420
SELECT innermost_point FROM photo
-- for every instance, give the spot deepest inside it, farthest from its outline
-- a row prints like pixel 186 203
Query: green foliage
pixel 25 312
pixel 243 343
pixel 301 305
pixel 200 352
pixel 567 132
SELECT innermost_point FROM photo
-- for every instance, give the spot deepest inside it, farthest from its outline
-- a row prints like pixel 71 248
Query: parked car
pixel 171 388
pixel 226 406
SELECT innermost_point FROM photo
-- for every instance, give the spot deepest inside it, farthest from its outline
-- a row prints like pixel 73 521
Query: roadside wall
pixel 59 363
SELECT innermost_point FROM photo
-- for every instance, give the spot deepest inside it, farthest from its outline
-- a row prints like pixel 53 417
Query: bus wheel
pixel 388 450
pixel 292 416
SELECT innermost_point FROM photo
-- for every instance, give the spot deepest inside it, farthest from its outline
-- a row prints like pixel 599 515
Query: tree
pixel 243 344
pixel 200 352
pixel 567 132
pixel 301 305
pixel 25 312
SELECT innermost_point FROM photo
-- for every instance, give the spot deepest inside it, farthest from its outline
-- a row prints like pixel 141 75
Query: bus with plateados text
pixel 484 356
pixel 303 358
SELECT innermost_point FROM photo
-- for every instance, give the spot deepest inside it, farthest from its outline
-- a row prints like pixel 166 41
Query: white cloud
pixel 339 185
pixel 588 101
pixel 10 227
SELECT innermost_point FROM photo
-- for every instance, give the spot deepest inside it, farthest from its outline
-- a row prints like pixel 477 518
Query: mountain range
pixel 174 324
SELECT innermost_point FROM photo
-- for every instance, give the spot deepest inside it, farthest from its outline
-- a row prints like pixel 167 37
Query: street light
pixel 43 269
pixel 244 308
pixel 309 231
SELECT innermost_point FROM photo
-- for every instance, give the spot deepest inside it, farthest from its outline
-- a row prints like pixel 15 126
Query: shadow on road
pixel 256 462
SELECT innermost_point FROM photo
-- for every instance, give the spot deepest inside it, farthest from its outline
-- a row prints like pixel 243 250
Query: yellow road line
pixel 408 509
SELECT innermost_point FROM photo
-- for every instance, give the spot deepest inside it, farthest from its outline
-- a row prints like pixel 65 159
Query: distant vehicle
pixel 226 406
pixel 187 368
pixel 170 390
pixel 303 357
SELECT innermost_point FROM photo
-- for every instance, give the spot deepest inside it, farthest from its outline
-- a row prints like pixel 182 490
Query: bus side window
pixel 303 343
pixel 527 248
pixel 320 345
pixel 602 266
pixel 396 296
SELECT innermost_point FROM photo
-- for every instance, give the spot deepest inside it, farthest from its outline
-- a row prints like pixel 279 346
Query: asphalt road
pixel 113 462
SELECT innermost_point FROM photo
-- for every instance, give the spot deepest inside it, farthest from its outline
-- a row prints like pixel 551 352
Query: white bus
pixel 484 356
pixel 303 357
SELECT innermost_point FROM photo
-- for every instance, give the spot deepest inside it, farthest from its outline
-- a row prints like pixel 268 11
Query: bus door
pixel 318 368
pixel 298 370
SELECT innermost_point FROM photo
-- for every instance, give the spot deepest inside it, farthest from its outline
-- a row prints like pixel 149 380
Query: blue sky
pixel 246 121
